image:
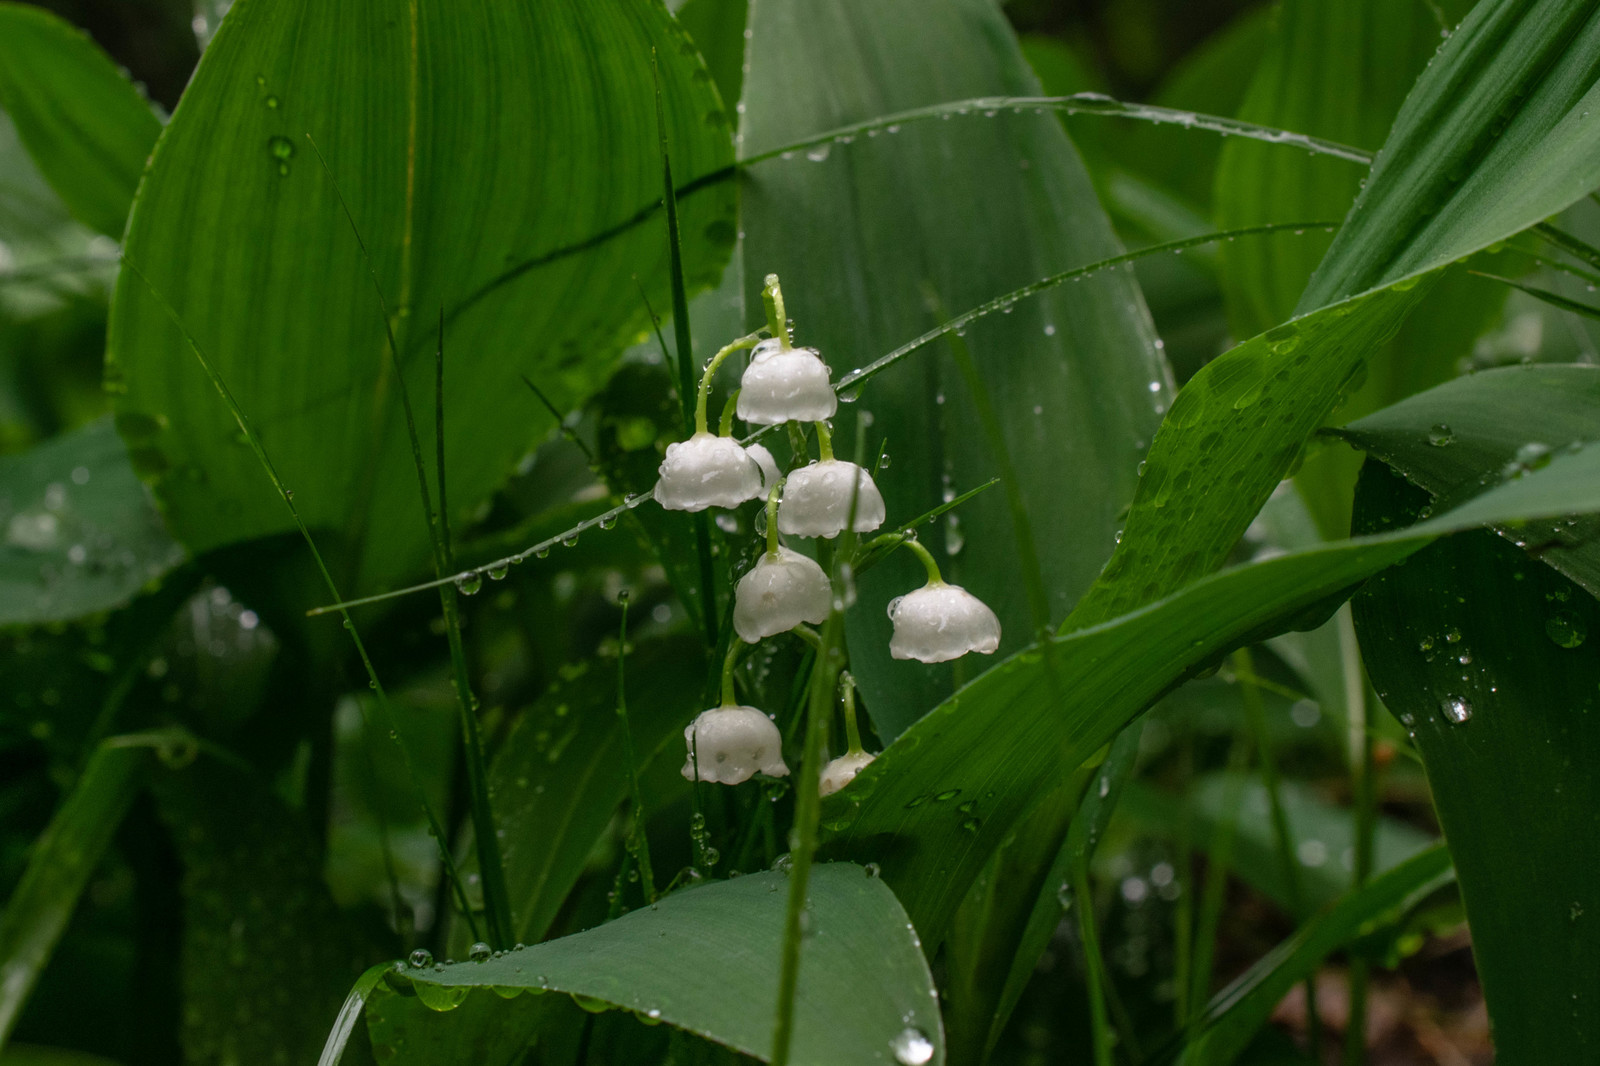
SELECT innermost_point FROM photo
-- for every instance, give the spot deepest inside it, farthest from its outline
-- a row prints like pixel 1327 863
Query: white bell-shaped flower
pixel 817 500
pixel 782 590
pixel 841 771
pixel 769 466
pixel 707 471
pixel 940 622
pixel 731 745
pixel 785 385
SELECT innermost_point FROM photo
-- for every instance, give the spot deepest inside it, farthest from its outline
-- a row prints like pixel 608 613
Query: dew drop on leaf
pixel 480 952
pixel 421 958
pixel 1566 629
pixel 1456 709
pixel 1441 435
pixel 912 1047
pixel 469 582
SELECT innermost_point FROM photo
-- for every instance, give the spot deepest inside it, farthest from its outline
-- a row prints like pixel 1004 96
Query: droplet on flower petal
pixel 782 385
pixel 707 471
pixel 817 500
pixel 940 622
pixel 779 593
pixel 733 744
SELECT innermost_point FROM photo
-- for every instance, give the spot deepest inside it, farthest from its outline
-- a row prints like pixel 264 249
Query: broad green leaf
pixel 881 238
pixel 86 126
pixel 706 960
pixel 60 864
pixel 717 27
pixel 562 772
pixel 266 958
pixel 485 1030
pixel 1323 833
pixel 1236 1013
pixel 1336 69
pixel 1239 425
pixel 81 534
pixel 467 146
pixel 1473 432
pixel 999 744
pixel 1489 660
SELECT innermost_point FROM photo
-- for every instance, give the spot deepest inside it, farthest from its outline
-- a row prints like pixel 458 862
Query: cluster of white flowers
pixel 785 589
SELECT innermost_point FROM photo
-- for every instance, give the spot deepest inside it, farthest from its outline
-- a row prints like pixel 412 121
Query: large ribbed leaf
pixel 1489 659
pixel 705 960
pixel 935 806
pixel 84 123
pixel 472 144
pixel 881 238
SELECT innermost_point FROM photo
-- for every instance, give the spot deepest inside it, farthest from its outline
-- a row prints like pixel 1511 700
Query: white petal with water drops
pixel 707 471
pixel 733 744
pixel 779 593
pixel 782 385
pixel 817 500
pixel 940 622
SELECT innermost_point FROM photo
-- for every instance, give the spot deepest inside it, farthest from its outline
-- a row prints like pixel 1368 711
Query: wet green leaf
pixel 467 146
pixel 85 125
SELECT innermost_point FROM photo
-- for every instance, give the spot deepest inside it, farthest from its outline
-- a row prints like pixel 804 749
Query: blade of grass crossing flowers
pixel 497 907
pixel 350 1014
pixel 287 495
pixel 855 380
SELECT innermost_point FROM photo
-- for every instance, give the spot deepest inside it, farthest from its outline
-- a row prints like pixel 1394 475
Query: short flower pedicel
pixel 709 469
pixel 940 622
pixel 841 771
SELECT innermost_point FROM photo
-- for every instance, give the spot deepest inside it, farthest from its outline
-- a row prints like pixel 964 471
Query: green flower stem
pixel 852 732
pixel 777 321
pixel 926 556
pixel 735 646
pixel 772 519
pixel 824 441
pixel 638 844
pixel 711 369
pixel 725 427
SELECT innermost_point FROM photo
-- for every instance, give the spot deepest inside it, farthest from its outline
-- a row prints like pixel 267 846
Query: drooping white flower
pixel 769 466
pixel 707 471
pixel 817 500
pixel 785 385
pixel 732 744
pixel 782 590
pixel 940 622
pixel 841 771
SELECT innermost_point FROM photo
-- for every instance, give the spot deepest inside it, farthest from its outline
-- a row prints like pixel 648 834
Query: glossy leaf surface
pixel 467 147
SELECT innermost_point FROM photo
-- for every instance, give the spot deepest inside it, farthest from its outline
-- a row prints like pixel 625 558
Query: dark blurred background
pixel 1128 43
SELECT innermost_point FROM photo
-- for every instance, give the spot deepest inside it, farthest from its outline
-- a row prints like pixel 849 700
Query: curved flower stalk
pixel 711 469
pixel 782 590
pixel 841 771
pixel 940 621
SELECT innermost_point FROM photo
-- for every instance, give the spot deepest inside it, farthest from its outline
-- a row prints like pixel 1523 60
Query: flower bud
pixel 817 500
pixel 841 771
pixel 780 591
pixel 785 385
pixel 707 471
pixel 732 744
pixel 940 622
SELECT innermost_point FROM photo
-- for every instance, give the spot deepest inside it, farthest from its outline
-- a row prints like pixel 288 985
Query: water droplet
pixel 499 571
pixel 1566 629
pixel 819 153
pixel 1456 709
pixel 1441 435
pixel 912 1047
pixel 480 952
pixel 948 794
pixel 421 958
pixel 569 541
pixel 272 102
pixel 1452 635
pixel 873 869
pixel 282 149
pixel 469 582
